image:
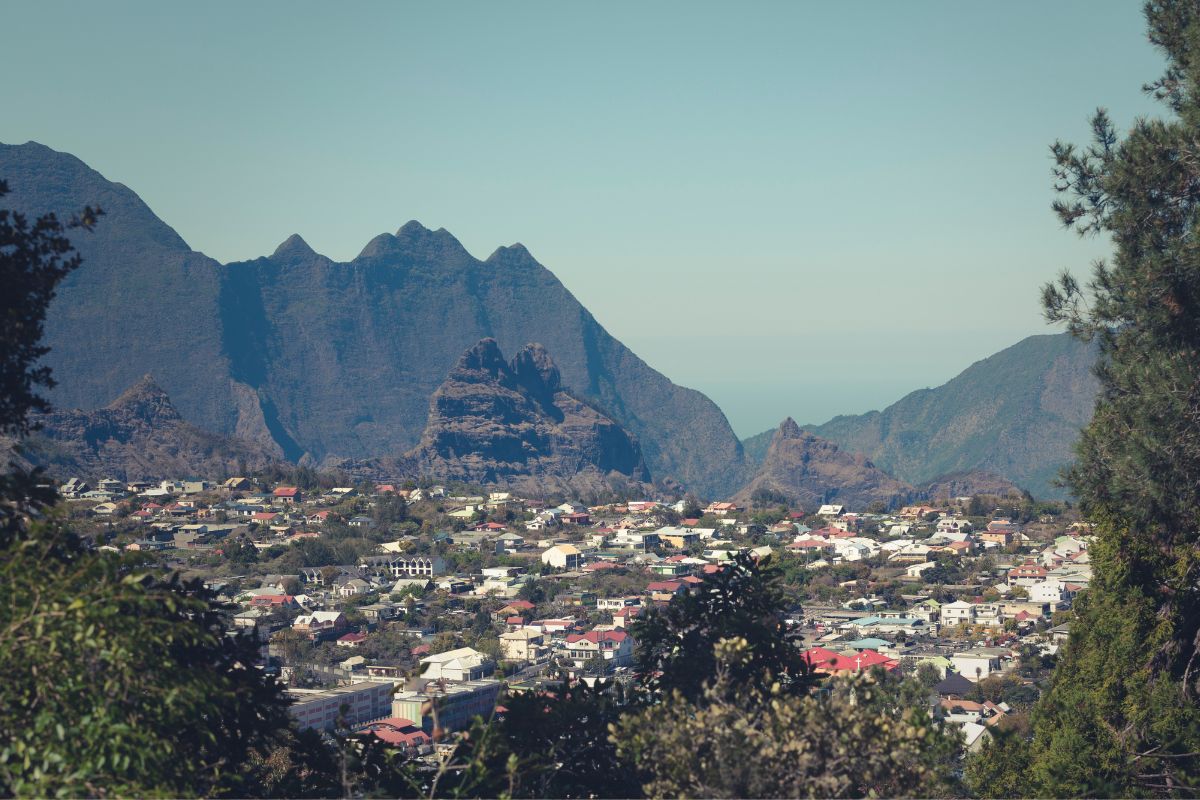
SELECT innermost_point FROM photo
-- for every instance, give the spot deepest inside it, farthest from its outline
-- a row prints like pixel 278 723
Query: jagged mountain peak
pixel 414 242
pixel 379 246
pixel 512 423
pixel 534 367
pixel 412 228
pixel 336 363
pixel 806 469
pixel 788 429
pixel 138 436
pixel 514 255
pixel 292 247
pixel 145 400
pixel 483 356
pixel 414 235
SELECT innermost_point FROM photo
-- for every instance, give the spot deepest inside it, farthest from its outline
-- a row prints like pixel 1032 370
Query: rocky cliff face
pixel 322 360
pixel 513 424
pixel 969 484
pixel 803 469
pixel 139 436
pixel 1016 415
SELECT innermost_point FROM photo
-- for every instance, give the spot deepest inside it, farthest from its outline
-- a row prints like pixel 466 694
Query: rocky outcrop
pixel 969 484
pixel 330 360
pixel 139 436
pixel 513 424
pixel 805 470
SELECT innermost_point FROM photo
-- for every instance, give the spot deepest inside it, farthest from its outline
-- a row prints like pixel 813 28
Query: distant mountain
pixel 968 484
pixel 325 361
pixel 513 424
pixel 803 469
pixel 139 436
pixel 1016 415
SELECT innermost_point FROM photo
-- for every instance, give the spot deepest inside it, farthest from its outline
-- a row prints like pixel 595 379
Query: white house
pixel 849 550
pixel 975 665
pixel 916 569
pixel 462 664
pixel 1050 591
pixel 958 612
pixel 563 556
pixel 953 525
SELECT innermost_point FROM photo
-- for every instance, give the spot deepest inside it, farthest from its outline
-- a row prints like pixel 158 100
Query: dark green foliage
pixel 34 258
pixel 744 600
pixel 118 680
pixel 1000 768
pixel 866 735
pixel 533 591
pixel 1122 715
pixel 559 745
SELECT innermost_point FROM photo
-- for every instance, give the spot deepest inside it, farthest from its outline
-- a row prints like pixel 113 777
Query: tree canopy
pixel 743 600
pixel 118 679
pixel 1121 715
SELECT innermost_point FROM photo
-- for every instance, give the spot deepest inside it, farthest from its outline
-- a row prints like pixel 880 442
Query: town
pixel 406 611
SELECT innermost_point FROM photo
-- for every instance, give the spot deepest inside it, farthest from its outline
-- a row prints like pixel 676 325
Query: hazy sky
pixel 798 208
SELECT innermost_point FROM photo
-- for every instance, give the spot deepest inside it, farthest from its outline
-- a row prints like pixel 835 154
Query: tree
pixel 1000 768
pixel 118 679
pixel 548 744
pixel 1122 714
pixel 240 550
pixel 743 600
pixel 532 591
pixel 292 646
pixel 33 260
pixel 862 736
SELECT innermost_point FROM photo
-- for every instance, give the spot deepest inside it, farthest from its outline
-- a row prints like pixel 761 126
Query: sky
pixel 798 208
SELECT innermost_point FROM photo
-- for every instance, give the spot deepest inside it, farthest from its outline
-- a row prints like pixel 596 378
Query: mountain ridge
pixel 330 360
pixel 1015 414
pixel 138 436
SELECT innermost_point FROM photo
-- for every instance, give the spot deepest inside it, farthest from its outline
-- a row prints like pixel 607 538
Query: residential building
pixel 615 647
pixel 563 556
pixel 288 495
pixel 523 644
pixel 975 665
pixel 960 612
pixel 404 566
pixel 358 704
pixel 320 624
pixel 450 707
pixel 461 664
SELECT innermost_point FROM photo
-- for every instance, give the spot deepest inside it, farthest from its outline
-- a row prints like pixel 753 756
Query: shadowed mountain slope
pixel 1015 414
pixel 323 360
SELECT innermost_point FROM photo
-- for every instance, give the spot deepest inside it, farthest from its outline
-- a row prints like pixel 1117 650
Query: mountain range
pixel 320 361
pixel 1016 414
pixel 294 356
